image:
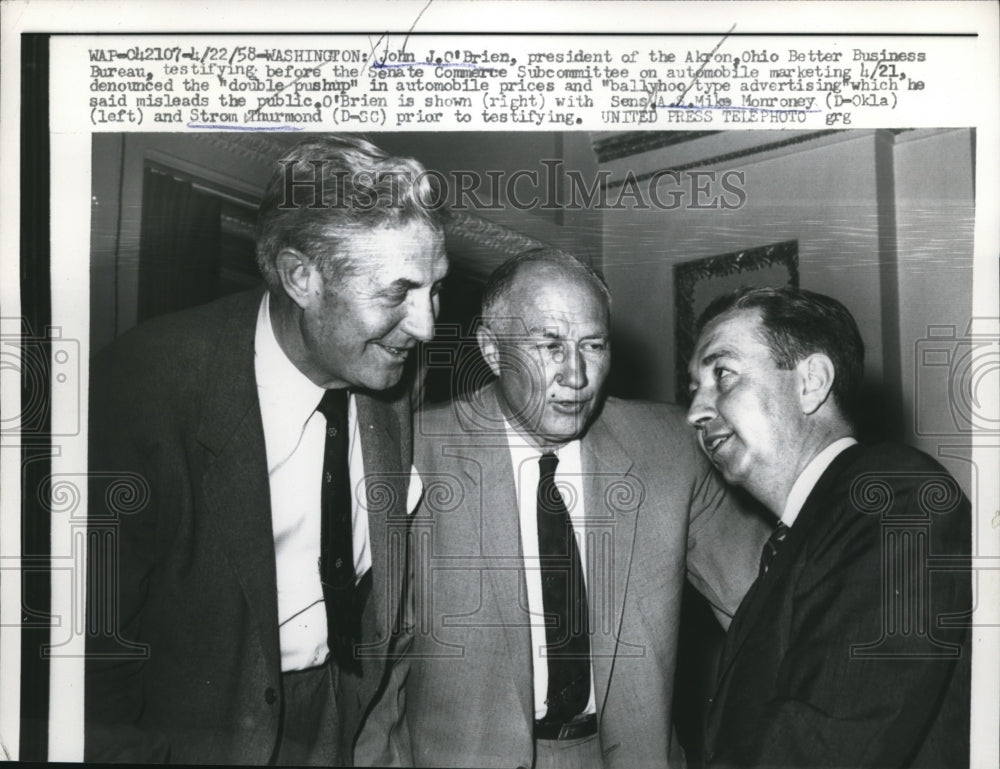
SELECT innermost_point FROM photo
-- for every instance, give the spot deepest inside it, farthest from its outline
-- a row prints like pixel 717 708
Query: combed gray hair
pixel 329 187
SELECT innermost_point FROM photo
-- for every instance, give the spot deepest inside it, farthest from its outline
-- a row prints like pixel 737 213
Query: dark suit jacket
pixel 183 656
pixel 852 650
pixel 657 515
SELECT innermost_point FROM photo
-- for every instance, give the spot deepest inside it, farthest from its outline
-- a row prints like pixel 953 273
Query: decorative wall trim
pixel 636 142
pixel 504 241
pixel 729 156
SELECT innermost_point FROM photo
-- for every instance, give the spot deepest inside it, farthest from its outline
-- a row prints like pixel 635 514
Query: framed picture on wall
pixel 699 281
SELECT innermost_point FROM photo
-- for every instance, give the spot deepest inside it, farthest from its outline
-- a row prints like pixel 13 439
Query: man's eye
pixel 723 375
pixel 594 346
pixel 552 348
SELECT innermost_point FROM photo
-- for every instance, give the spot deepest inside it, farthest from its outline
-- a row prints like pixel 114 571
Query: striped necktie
pixel 771 548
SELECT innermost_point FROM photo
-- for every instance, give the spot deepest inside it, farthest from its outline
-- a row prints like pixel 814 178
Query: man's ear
pixel 300 277
pixel 489 347
pixel 816 375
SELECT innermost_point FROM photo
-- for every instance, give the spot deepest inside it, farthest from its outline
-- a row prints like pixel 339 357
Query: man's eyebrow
pixel 546 332
pixel 713 356
pixel 401 283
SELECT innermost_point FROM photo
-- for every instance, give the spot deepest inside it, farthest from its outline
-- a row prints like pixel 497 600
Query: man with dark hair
pixel 243 611
pixel 557 530
pixel 851 649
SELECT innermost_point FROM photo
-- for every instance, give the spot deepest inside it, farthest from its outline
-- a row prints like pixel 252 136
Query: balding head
pixel 545 335
pixel 533 267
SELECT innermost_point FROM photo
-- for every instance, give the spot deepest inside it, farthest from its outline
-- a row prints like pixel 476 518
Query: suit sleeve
pixel 866 670
pixel 123 536
pixel 725 537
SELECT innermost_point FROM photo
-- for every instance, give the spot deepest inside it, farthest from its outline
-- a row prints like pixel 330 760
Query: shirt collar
pixel 280 384
pixel 520 444
pixel 808 478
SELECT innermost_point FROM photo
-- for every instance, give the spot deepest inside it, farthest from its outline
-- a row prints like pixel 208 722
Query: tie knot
pixel 547 464
pixel 333 406
pixel 770 549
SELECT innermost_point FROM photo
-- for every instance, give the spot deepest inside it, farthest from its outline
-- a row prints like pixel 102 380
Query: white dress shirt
pixel 569 481
pixel 809 477
pixel 294 438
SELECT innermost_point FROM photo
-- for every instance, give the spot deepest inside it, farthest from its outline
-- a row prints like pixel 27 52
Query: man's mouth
pixel 569 407
pixel 714 441
pixel 396 352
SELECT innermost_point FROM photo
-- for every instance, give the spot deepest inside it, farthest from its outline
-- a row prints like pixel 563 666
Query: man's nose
pixel 572 368
pixel 702 409
pixel 420 314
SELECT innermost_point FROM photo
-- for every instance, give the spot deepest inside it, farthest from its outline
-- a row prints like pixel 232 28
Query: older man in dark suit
pixel 556 536
pixel 241 609
pixel 852 647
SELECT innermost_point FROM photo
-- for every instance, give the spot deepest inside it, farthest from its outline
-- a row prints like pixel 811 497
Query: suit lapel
pixel 386 486
pixel 809 520
pixel 499 534
pixel 611 504
pixel 235 479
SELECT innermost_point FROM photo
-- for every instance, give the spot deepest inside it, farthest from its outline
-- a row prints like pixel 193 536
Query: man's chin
pixel 566 430
pixel 381 380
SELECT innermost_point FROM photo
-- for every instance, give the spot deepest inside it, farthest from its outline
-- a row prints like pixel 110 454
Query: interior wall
pixel 935 213
pixel 117 167
pixel 883 221
pixel 822 194
pixel 242 163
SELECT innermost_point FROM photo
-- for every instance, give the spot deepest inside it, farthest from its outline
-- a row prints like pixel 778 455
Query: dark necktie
pixel 771 548
pixel 564 600
pixel 336 560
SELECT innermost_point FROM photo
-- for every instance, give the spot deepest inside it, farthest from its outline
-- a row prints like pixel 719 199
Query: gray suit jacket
pixel 183 660
pixel 657 515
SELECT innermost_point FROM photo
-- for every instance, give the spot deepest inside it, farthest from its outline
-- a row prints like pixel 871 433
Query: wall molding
pixel 636 142
pixel 727 157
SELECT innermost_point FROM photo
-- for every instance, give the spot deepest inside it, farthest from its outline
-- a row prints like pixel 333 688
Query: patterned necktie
pixel 336 561
pixel 771 548
pixel 564 600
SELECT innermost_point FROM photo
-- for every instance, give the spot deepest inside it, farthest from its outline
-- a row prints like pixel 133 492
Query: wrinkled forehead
pixel 383 239
pixel 410 246
pixel 546 295
pixel 735 334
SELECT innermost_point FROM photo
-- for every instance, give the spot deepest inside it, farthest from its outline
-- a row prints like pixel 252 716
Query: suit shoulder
pixel 640 411
pixel 171 344
pixel 876 484
pixel 897 456
pixel 646 422
pixel 170 362
pixel 895 464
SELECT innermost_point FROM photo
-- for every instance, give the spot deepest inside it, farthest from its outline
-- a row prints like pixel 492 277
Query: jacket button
pixel 270 696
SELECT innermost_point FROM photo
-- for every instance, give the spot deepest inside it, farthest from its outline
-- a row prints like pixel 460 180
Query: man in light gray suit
pixel 557 530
